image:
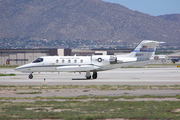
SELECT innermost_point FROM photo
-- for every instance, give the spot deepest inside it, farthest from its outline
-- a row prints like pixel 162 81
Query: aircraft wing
pixel 76 68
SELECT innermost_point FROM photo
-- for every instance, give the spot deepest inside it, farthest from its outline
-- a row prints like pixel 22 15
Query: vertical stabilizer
pixel 145 50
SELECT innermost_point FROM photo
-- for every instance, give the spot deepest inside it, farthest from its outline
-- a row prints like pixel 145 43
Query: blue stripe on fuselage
pixel 144 50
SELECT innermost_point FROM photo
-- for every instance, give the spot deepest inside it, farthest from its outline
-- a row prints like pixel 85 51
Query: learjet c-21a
pixel 143 54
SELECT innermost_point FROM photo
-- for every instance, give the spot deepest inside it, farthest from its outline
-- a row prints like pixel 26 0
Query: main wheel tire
pixel 30 76
pixel 94 75
pixel 89 77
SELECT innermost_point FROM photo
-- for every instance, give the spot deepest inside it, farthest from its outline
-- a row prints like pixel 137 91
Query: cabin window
pixel 57 61
pixel 69 61
pixel 38 60
pixel 62 61
pixel 75 61
pixel 81 61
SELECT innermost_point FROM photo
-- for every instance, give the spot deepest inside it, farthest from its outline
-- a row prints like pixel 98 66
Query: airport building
pixel 24 56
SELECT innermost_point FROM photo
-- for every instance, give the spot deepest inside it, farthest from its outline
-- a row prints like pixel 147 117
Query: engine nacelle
pixel 104 60
pixel 113 59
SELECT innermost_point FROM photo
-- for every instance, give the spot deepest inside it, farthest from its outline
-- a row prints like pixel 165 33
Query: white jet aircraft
pixel 143 54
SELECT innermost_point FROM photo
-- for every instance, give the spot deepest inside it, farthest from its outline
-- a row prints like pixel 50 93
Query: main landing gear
pixel 31 76
pixel 88 75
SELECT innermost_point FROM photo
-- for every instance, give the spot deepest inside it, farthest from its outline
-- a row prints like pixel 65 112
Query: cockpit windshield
pixel 38 60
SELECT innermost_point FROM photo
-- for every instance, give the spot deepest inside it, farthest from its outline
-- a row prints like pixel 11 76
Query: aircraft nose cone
pixel 17 68
pixel 21 68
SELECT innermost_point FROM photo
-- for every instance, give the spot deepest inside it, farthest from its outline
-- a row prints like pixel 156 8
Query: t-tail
pixel 145 50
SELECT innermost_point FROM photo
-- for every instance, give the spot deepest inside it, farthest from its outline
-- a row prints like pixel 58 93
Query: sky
pixel 151 7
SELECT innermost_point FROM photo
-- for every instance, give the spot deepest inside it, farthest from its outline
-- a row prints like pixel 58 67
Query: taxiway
pixel 123 76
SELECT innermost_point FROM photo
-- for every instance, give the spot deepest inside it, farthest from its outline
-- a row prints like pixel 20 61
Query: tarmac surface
pixel 122 76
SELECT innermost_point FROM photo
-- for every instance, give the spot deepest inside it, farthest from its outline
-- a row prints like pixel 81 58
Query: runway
pixel 123 76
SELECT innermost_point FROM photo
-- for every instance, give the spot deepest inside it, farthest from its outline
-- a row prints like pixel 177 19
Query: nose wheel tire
pixel 30 76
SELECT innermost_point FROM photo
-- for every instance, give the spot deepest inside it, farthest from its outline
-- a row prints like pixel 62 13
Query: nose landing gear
pixel 31 76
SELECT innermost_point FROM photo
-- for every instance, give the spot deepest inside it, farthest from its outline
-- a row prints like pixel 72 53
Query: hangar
pixel 24 56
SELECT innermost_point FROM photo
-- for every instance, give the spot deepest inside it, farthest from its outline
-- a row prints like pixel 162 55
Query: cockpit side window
pixel 38 60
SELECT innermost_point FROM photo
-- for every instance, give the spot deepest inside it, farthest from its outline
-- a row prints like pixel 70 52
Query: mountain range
pixel 171 17
pixel 84 19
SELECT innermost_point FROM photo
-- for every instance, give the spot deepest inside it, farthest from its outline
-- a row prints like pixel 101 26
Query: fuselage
pixel 78 63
